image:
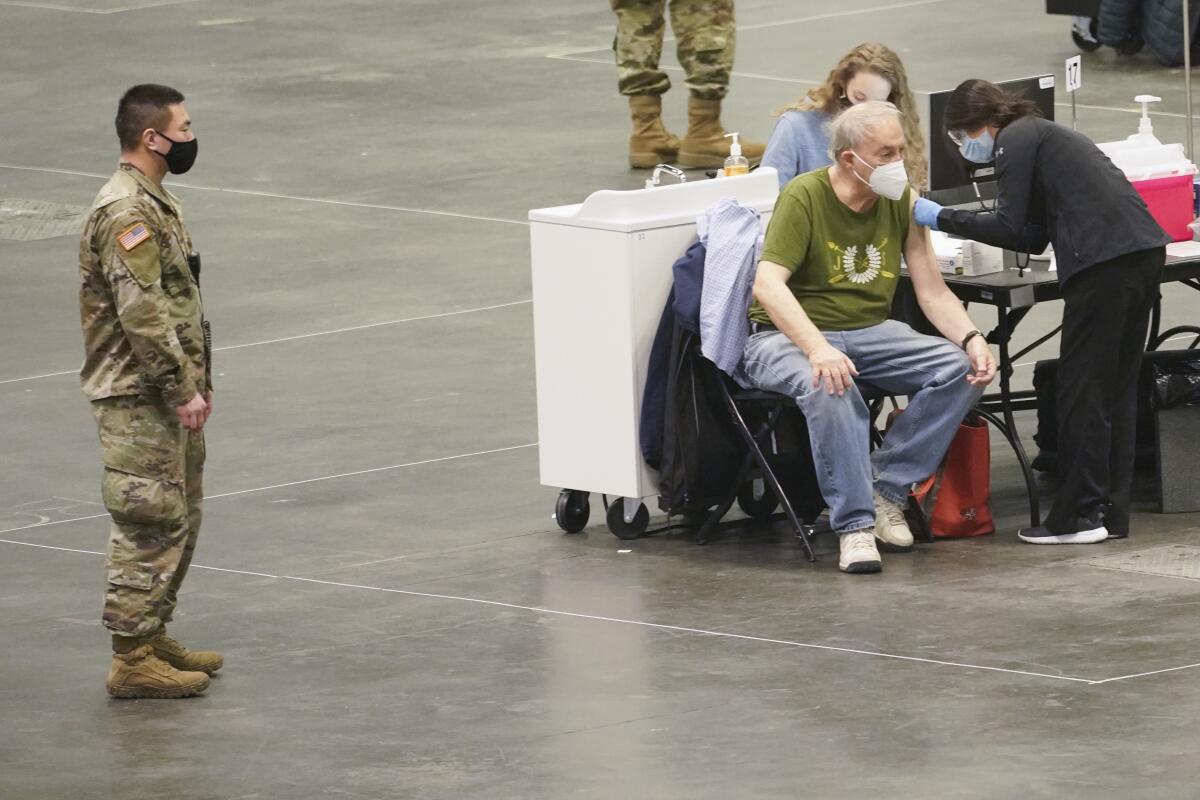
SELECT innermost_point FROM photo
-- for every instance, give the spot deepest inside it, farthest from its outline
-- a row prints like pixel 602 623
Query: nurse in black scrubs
pixel 1055 185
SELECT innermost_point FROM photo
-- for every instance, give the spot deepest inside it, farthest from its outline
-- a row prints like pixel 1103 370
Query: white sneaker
pixel 1087 531
pixel 858 553
pixel 891 528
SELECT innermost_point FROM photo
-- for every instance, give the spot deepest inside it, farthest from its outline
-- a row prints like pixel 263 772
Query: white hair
pixel 857 124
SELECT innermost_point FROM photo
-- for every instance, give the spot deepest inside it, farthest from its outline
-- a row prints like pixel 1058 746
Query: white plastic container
pixel 1141 163
pixel 965 257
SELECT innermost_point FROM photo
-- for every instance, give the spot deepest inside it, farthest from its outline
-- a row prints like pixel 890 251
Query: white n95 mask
pixel 888 180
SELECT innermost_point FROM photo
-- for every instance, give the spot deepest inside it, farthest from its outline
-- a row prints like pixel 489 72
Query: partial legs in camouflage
pixel 705 33
pixel 152 488
pixel 193 491
pixel 705 39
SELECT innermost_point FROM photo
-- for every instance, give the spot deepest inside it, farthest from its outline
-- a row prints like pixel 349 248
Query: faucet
pixel 656 176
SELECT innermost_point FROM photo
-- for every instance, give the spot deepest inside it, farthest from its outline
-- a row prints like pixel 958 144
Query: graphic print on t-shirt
pixel 857 265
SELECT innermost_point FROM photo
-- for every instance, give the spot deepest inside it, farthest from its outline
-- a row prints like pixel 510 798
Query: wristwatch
pixel 969 337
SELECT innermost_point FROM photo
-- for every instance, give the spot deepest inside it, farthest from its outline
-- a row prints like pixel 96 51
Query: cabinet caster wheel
pixel 627 530
pixel 572 510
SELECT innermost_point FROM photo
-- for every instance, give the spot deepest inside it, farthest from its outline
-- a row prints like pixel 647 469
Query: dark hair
pixel 976 103
pixel 141 107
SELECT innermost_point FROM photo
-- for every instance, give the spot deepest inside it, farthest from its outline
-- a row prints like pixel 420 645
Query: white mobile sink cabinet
pixel 601 276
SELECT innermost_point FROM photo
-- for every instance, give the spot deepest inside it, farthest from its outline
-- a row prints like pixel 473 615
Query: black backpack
pixel 702 450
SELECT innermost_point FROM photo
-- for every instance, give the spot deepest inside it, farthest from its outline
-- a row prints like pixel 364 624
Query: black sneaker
pixel 1086 532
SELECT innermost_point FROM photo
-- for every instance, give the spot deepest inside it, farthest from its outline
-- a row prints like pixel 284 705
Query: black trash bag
pixel 1045 384
pixel 1177 381
pixel 1158 367
pixel 1175 374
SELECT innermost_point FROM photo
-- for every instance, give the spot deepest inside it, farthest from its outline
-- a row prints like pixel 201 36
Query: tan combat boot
pixel 704 146
pixel 139 673
pixel 179 657
pixel 651 144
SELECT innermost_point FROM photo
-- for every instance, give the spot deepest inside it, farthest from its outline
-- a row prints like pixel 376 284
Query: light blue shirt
pixel 799 144
pixel 733 237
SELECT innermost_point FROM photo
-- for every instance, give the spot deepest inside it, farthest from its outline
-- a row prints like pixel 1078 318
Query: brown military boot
pixel 179 657
pixel 651 144
pixel 139 673
pixel 704 146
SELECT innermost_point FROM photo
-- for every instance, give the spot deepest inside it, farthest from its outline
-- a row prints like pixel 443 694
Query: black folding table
pixel 1014 293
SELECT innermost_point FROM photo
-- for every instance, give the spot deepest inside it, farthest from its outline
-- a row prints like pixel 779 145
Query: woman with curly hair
pixel 871 71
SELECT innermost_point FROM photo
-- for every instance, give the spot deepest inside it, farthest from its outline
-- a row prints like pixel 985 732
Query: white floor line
pixel 50 546
pixel 833 15
pixel 782 22
pixel 349 203
pixel 1145 674
pixel 615 620
pixel 809 82
pixel 363 327
pixel 1174 114
pixel 44 375
pixel 299 198
pixel 570 56
pixel 758 76
pixel 374 325
pixel 55 522
pixel 681 629
pixel 56 171
pixel 235 571
pixel 296 483
pixel 372 471
pixel 1141 572
pixel 96 11
pixel 1172 339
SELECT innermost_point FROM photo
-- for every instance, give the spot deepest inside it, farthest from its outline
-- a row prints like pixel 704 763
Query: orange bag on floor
pixel 960 503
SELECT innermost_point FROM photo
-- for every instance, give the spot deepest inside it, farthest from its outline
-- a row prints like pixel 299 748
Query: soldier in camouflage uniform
pixel 147 373
pixel 705 31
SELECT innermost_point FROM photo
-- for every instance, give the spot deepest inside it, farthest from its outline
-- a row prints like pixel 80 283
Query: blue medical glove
pixel 925 212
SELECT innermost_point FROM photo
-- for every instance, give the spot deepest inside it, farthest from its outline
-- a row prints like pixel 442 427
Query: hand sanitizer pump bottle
pixel 736 164
pixel 1145 136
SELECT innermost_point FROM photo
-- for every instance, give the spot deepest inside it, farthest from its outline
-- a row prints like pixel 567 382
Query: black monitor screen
pixel 947 168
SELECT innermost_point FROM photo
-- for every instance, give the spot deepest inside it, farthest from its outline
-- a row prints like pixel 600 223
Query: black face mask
pixel 182 155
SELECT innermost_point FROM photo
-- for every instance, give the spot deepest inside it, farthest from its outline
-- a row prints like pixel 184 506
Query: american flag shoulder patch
pixel 132 236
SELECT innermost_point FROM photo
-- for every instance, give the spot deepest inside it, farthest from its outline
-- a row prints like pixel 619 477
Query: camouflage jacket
pixel 143 326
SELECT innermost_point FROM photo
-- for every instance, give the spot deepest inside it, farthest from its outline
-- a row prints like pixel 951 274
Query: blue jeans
pixel 891 358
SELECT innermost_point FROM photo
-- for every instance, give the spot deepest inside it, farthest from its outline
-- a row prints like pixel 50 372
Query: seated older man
pixel 819 325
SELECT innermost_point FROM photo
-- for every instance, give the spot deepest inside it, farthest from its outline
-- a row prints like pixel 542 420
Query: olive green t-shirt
pixel 845 264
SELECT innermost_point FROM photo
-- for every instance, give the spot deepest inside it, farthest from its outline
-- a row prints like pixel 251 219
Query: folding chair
pixel 765 409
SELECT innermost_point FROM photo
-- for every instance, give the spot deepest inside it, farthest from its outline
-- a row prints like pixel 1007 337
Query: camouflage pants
pixel 704 32
pixel 152 488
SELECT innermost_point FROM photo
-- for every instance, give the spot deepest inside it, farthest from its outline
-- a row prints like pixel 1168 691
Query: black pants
pixel 1105 323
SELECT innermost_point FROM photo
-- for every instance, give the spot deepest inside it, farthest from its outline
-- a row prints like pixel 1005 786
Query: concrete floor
pixel 400 617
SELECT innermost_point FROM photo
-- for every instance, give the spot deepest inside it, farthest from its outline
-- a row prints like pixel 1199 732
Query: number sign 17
pixel 1074 73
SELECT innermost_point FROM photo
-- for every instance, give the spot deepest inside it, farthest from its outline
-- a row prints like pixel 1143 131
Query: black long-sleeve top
pixel 1055 185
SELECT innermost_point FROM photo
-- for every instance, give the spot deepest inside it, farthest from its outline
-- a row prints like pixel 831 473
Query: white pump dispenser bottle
pixel 736 164
pixel 1145 136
